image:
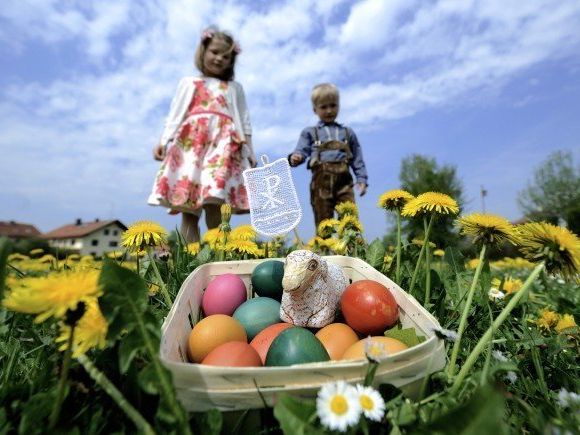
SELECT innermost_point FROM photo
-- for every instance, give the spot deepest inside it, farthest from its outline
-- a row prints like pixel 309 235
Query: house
pixel 94 238
pixel 17 230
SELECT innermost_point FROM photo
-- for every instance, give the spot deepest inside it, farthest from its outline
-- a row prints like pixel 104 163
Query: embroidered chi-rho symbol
pixel 274 206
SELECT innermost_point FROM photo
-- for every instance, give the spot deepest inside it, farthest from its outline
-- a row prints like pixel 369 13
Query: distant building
pixel 17 230
pixel 94 238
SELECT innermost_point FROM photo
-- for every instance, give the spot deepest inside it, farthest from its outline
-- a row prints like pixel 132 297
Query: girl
pixel 206 143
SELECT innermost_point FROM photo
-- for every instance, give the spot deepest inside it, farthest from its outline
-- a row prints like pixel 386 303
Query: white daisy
pixel 375 350
pixel 498 355
pixel 371 403
pixel 495 294
pixel 337 406
pixel 568 398
pixel 511 377
pixel 446 334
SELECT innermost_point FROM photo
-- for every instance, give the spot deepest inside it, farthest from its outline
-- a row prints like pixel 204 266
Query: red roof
pixel 17 230
pixel 80 229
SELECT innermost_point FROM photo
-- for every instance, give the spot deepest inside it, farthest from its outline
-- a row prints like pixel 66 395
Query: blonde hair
pixel 209 35
pixel 323 92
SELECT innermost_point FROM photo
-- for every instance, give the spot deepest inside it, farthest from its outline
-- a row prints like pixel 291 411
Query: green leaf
pixel 124 300
pixel 204 255
pixel 130 345
pixel 5 249
pixel 211 422
pixel 482 414
pixel 148 380
pixel 407 335
pixel 294 415
pixel 455 260
pixel 376 254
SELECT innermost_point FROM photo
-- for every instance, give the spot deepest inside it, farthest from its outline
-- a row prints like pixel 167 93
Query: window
pixel 113 243
pixel 115 232
pixel 94 254
pixel 94 242
pixel 72 241
pixel 106 231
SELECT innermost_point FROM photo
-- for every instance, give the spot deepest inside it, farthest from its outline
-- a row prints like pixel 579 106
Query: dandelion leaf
pixel 406 335
pixel 376 254
pixel 5 248
pixel 482 414
pixel 294 415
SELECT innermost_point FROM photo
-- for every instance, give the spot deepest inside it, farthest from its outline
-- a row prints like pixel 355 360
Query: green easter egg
pixel 257 314
pixel 267 279
pixel 295 346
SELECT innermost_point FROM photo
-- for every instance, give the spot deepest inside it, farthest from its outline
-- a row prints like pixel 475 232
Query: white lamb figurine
pixel 312 290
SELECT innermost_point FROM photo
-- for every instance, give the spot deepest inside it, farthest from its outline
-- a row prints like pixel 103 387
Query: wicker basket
pixel 201 387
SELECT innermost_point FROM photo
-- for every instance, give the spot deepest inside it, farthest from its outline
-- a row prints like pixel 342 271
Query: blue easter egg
pixel 257 314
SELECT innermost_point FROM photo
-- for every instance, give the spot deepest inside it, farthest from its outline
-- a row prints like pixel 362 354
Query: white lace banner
pixel 274 206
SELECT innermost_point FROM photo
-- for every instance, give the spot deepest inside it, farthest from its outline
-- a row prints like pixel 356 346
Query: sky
pixel 490 87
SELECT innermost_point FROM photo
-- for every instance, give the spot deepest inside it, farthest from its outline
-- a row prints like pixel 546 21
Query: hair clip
pixel 207 34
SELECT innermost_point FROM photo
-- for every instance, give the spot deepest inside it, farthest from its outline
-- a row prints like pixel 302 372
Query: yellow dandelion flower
pixel 193 248
pixel 510 285
pixel 347 208
pixel 548 319
pixel 46 259
pixel 327 227
pixel 439 253
pixel 315 241
pixel 142 234
pixel 90 331
pixel 73 257
pixel 226 212
pixel 387 259
pixel 243 232
pixel 566 321
pixel 87 259
pixel 54 294
pixel 490 229
pixel 338 246
pixel 349 222
pixel 421 242
pixel 558 247
pixel 37 251
pixel 17 257
pixel 115 254
pixel 394 199
pixel 213 237
pixel 430 202
pixel 242 247
pixel 472 264
pixel 153 289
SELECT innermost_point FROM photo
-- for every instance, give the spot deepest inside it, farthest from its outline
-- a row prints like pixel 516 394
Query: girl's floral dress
pixel 205 160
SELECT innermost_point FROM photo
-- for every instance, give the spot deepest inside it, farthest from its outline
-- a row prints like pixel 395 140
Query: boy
pixel 332 148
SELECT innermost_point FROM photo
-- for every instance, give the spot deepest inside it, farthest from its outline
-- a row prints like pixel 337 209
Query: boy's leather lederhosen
pixel 331 182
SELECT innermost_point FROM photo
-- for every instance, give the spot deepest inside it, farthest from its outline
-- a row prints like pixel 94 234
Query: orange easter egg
pixel 233 354
pixel 336 339
pixel 265 337
pixel 212 331
pixel 391 346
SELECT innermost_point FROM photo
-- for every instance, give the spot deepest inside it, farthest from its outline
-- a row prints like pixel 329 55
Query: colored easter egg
pixel 265 337
pixel 212 331
pixel 336 339
pixel 295 346
pixel 369 307
pixel 223 295
pixel 256 314
pixel 233 354
pixel 267 279
pixel 391 346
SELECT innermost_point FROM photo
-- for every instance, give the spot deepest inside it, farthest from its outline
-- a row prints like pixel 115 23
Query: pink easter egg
pixel 223 295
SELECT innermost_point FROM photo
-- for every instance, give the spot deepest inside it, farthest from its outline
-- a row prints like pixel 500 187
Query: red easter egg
pixel 223 295
pixel 369 307
pixel 233 354
pixel 265 337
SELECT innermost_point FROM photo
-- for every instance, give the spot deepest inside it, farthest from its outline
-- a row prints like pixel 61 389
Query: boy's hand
pixel 159 152
pixel 296 159
pixel 362 188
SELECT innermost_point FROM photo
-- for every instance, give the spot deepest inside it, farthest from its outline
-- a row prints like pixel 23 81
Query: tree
pixel 420 174
pixel 554 192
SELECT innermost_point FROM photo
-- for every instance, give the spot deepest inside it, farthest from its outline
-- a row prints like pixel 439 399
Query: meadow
pixel 79 336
